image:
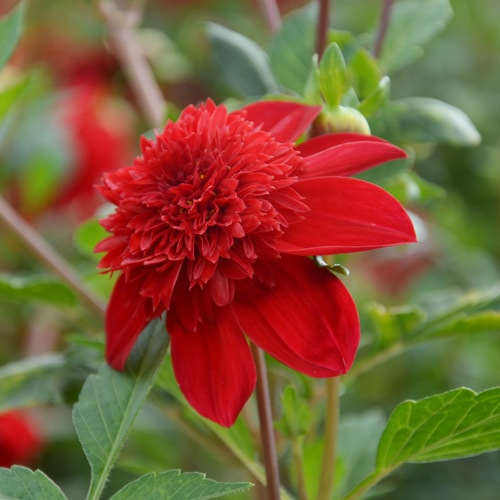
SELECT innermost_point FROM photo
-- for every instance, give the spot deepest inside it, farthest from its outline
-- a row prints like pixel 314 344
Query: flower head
pixel 20 441
pixel 214 224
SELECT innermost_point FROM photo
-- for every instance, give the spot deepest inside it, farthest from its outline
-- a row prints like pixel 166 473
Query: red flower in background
pixel 20 441
pixel 214 224
pixel 101 133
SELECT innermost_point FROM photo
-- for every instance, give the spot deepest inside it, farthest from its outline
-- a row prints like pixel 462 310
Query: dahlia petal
pixel 308 321
pixel 159 286
pixel 347 215
pixel 285 121
pixel 213 366
pixel 324 141
pixel 126 316
pixel 350 158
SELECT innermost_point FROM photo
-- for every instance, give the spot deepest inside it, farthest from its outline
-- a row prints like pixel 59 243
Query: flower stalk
pixel 385 18
pixel 121 28
pixel 49 257
pixel 266 426
pixel 322 27
pixel 271 13
pixel 327 477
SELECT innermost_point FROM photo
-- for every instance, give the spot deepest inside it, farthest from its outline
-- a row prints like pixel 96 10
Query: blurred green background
pixel 461 251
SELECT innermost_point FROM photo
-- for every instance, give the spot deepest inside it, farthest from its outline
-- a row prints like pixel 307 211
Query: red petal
pixel 308 321
pixel 324 141
pixel 350 158
pixel 285 121
pixel 213 366
pixel 347 215
pixel 126 316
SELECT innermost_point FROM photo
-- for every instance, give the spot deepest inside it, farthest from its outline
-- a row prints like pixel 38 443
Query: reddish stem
pixel 266 426
pixel 323 26
pixel 48 256
pixel 385 18
pixel 271 13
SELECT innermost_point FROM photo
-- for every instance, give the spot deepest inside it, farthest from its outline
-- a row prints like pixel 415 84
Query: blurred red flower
pixel 20 440
pixel 214 224
pixel 101 133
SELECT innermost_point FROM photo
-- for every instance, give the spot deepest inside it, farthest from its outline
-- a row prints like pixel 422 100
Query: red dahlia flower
pixel 20 441
pixel 214 224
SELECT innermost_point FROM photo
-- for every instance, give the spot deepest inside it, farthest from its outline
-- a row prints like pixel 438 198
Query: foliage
pixel 430 315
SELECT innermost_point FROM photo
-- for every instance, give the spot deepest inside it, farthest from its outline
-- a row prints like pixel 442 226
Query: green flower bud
pixel 341 119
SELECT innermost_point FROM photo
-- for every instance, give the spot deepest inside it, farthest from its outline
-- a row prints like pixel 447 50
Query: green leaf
pixel 87 235
pixel 33 381
pixel 292 47
pixel 469 315
pixel 9 95
pixel 10 30
pixel 413 23
pixel 110 401
pixel 21 483
pixel 409 188
pixel 297 417
pixel 358 438
pixel 374 101
pixel 488 321
pixel 425 120
pixel 394 323
pixel 364 72
pixel 333 75
pixel 174 485
pixel 455 424
pixel 35 289
pixel 243 64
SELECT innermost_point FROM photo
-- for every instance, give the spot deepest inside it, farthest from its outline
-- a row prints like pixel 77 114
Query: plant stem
pixel 327 477
pixel 121 24
pixel 383 26
pixel 322 26
pixel 368 483
pixel 298 457
pixel 266 426
pixel 271 13
pixel 49 257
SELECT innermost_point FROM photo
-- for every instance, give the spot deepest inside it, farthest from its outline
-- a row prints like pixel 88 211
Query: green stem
pixel 327 477
pixel 298 457
pixel 376 359
pixel 266 426
pixel 49 257
pixel 375 477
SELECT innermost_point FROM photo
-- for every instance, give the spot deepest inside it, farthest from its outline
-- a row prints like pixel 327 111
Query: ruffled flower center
pixel 212 191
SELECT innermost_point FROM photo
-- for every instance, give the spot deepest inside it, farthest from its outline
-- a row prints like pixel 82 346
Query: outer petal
pixel 324 141
pixel 213 366
pixel 308 321
pixel 285 121
pixel 347 215
pixel 350 158
pixel 126 316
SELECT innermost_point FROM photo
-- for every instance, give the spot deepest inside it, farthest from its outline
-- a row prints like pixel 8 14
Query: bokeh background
pixel 75 116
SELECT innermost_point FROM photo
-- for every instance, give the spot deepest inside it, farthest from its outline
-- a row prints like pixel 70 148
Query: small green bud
pixel 341 119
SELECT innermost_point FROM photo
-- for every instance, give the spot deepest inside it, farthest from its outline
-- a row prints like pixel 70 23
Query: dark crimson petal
pixel 126 316
pixel 350 158
pixel 324 141
pixel 347 215
pixel 285 121
pixel 308 322
pixel 213 366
